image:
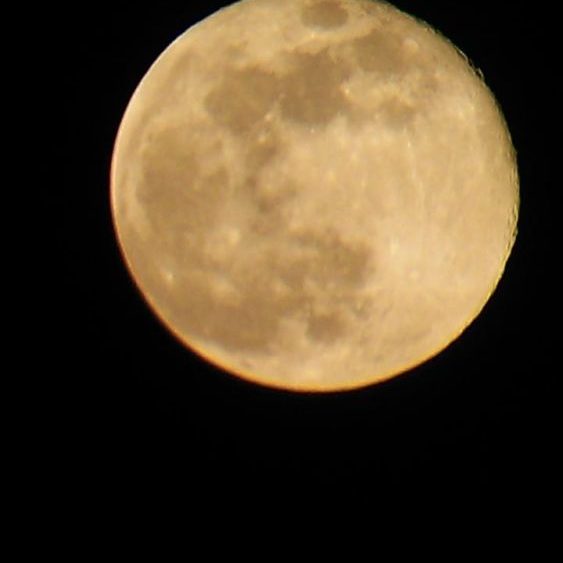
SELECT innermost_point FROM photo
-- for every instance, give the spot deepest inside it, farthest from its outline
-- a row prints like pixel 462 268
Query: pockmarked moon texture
pixel 314 195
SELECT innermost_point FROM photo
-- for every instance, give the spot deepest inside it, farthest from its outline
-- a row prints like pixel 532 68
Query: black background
pixel 150 418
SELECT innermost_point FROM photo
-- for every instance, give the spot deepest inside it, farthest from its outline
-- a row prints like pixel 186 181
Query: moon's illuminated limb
pixel 314 194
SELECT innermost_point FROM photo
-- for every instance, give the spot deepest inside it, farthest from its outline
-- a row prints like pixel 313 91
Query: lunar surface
pixel 314 195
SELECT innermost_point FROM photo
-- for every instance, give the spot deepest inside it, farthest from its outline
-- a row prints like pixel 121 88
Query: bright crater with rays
pixel 314 194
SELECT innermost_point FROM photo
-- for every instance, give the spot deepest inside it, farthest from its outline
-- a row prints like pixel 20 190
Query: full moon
pixel 314 195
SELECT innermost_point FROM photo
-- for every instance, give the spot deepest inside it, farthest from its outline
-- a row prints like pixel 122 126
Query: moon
pixel 314 195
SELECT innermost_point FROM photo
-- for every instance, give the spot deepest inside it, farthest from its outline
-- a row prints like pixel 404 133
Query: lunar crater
pixel 324 14
pixel 381 52
pixel 327 328
pixel 242 98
